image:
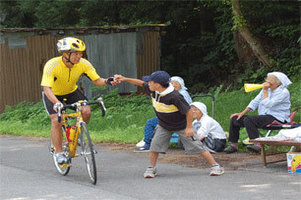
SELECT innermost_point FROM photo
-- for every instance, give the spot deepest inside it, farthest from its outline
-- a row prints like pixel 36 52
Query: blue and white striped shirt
pixel 276 104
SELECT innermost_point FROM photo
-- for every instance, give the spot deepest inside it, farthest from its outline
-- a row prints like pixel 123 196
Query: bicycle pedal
pixel 64 165
pixel 78 142
pixel 51 150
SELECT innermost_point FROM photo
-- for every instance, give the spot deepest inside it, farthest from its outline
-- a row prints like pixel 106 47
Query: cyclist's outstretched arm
pixel 134 81
pixel 107 81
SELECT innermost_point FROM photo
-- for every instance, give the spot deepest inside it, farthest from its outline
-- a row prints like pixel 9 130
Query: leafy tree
pixel 242 25
pixel 201 43
pixel 51 14
pixel 18 13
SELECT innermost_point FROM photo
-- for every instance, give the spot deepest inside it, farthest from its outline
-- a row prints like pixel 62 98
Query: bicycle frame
pixel 79 119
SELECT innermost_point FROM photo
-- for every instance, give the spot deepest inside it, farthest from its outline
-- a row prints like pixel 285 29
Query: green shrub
pixel 126 115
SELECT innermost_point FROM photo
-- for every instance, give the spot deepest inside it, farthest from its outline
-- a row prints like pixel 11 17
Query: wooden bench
pixel 275 143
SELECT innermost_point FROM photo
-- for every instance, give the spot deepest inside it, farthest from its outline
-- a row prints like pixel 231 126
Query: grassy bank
pixel 126 116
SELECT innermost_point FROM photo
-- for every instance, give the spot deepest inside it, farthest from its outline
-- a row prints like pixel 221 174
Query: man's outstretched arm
pixel 134 81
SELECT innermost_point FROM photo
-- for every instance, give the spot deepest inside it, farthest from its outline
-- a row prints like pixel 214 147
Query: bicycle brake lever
pixel 59 114
pixel 59 108
pixel 102 106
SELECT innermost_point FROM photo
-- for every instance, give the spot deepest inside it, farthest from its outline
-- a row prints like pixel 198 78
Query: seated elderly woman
pixel 273 103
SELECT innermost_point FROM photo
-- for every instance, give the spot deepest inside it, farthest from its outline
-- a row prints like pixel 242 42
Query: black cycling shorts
pixel 70 98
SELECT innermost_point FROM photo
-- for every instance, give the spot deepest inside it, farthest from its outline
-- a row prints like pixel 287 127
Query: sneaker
pixel 254 148
pixel 145 148
pixel 216 170
pixel 150 172
pixel 141 143
pixel 61 158
pixel 247 141
pixel 230 149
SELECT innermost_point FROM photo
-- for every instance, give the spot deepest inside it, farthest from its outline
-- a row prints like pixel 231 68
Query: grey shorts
pixel 162 136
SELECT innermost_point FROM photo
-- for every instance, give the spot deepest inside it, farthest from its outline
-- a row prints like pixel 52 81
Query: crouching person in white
pixel 208 130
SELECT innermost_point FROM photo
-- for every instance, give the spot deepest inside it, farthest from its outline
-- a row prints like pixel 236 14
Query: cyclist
pixel 59 80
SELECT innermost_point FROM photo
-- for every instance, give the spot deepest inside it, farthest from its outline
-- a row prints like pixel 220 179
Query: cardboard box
pixel 294 162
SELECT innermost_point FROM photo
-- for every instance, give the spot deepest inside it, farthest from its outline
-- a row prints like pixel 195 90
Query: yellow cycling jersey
pixel 62 79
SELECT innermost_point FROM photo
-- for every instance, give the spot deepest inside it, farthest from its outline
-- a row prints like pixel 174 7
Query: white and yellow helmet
pixel 70 44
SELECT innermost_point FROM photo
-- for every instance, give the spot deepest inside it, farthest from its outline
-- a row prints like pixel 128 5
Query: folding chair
pixel 275 125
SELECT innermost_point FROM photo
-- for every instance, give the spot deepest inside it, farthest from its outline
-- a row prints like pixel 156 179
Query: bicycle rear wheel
pixel 62 169
pixel 88 153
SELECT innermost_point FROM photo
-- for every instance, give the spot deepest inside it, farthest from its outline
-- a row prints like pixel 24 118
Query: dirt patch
pixel 177 156
pixel 117 147
pixel 41 139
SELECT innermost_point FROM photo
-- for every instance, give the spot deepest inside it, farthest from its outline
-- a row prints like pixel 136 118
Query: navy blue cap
pixel 161 77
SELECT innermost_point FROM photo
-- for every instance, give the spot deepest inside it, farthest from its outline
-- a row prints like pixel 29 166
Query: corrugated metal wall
pixel 23 56
pixel 148 53
pixel 111 54
pixel 21 69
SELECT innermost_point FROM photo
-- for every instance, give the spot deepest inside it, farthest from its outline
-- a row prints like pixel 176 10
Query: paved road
pixel 27 172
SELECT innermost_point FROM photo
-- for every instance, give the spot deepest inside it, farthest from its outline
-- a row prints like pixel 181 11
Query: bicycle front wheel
pixel 88 153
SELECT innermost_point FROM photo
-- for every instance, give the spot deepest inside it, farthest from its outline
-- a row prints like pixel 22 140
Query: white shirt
pixel 208 126
pixel 276 104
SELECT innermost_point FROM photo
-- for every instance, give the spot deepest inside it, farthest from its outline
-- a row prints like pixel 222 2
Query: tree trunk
pixel 244 31
pixel 242 48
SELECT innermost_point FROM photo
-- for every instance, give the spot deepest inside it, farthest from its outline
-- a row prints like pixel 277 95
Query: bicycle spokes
pixel 88 153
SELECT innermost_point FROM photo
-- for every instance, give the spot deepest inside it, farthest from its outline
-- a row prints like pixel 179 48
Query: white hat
pixel 180 81
pixel 285 81
pixel 202 107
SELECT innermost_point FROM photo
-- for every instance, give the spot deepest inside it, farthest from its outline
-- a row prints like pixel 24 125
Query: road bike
pixel 77 135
